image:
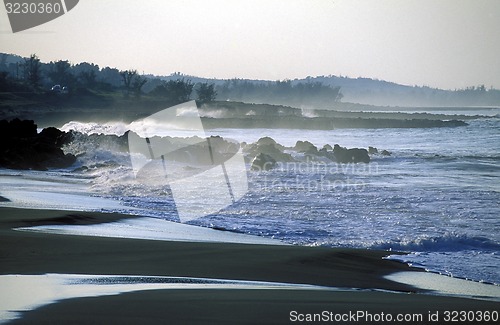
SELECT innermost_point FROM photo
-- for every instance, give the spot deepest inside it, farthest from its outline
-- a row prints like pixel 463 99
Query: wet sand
pixel 38 253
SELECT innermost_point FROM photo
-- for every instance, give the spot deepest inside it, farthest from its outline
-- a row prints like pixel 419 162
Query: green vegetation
pixel 61 78
pixel 132 82
pixel 62 84
pixel 206 93
pixel 178 91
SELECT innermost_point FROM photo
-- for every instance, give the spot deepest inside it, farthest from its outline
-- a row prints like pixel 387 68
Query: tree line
pixel 32 76
pixel 281 92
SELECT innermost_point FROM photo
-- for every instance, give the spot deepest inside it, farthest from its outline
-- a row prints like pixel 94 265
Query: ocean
pixel 436 197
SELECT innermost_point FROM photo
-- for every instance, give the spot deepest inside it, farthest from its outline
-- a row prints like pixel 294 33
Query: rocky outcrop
pixel 266 150
pixel 263 162
pixel 385 153
pixel 354 155
pixel 268 146
pixel 326 147
pixel 269 141
pixel 21 147
pixel 305 146
pixel 375 151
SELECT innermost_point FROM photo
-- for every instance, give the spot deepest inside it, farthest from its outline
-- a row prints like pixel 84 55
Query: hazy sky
pixel 440 43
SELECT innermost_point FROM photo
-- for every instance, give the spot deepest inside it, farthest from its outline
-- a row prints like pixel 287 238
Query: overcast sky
pixel 440 43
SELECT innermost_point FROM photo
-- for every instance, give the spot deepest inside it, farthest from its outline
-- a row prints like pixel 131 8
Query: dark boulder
pixel 359 155
pixel 385 153
pixel 21 147
pixel 269 147
pixel 263 162
pixel 354 155
pixel 55 136
pixel 305 146
pixel 269 141
pixel 17 129
pixel 327 152
pixel 327 147
pixel 312 151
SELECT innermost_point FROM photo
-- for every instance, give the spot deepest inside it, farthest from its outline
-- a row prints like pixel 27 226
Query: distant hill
pixel 384 93
pixel 361 91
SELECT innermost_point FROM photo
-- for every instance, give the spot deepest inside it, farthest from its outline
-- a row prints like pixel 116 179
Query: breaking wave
pixel 109 128
pixel 449 242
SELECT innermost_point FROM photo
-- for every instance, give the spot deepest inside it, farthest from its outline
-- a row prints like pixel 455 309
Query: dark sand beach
pixel 24 252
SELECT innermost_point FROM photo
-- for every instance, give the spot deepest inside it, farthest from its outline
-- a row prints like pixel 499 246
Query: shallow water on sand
pixel 27 292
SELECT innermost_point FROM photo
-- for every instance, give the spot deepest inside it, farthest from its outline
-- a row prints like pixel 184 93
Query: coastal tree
pixel 283 92
pixel 110 76
pixel 87 74
pixel 4 82
pixel 137 84
pixel 132 82
pixel 88 78
pixel 31 71
pixel 206 93
pixel 127 77
pixel 179 90
pixel 60 73
pixel 176 91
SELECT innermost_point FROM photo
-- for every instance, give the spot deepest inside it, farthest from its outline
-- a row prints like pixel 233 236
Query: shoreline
pixel 52 253
pixel 27 253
